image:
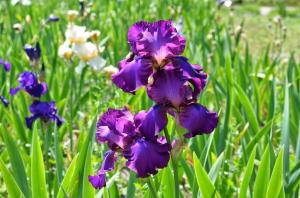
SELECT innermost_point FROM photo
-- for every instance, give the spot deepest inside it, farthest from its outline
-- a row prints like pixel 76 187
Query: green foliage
pixel 254 152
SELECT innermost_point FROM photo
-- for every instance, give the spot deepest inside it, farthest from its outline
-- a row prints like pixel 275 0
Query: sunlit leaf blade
pixel 247 175
pixel 16 162
pixel 131 188
pixel 38 179
pixel 206 186
pixel 67 181
pixel 286 129
pixel 262 176
pixel 213 173
pixel 13 189
pixel 88 189
pixel 248 107
pixel 276 180
pixel 167 183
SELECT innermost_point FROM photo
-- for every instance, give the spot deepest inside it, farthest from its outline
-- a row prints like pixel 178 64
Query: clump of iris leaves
pixel 254 152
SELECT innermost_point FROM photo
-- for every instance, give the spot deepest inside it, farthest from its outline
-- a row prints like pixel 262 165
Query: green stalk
pixel 175 166
pixel 151 188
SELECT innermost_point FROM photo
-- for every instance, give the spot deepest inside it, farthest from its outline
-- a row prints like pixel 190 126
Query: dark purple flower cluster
pixel 123 133
pixel 7 66
pixel 171 82
pixel 30 83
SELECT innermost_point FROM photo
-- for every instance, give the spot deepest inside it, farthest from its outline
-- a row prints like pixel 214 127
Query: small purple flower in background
pixel 28 81
pixel 6 65
pixel 46 111
pixel 33 53
pixel 4 101
pixel 52 18
pixel 120 130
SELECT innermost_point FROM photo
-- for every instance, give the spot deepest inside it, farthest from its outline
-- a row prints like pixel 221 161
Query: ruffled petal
pixel 153 121
pixel 27 79
pixel 116 127
pixel 145 157
pixel 197 120
pixel 159 40
pixel 133 74
pixel 135 33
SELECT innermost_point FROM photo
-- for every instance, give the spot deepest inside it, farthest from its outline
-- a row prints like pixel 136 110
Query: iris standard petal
pixel 197 120
pixel 159 40
pixel 134 73
pixel 135 33
pixel 153 121
pixel 27 79
pixel 145 157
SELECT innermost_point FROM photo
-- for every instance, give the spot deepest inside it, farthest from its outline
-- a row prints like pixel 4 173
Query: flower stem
pixel 175 167
pixel 151 188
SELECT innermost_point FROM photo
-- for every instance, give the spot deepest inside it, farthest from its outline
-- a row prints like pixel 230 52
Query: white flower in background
pixel 77 44
pixel 88 53
pixel 23 2
pixel 72 15
pixel 76 34
pixel 110 70
pixel 65 51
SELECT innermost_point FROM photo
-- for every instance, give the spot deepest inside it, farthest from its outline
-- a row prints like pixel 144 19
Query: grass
pixel 253 84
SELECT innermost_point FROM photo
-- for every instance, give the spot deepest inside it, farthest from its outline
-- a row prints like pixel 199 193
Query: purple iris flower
pixel 33 53
pixel 30 84
pixel 46 111
pixel 120 130
pixel 6 65
pixel 153 46
pixel 4 101
pixel 175 91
